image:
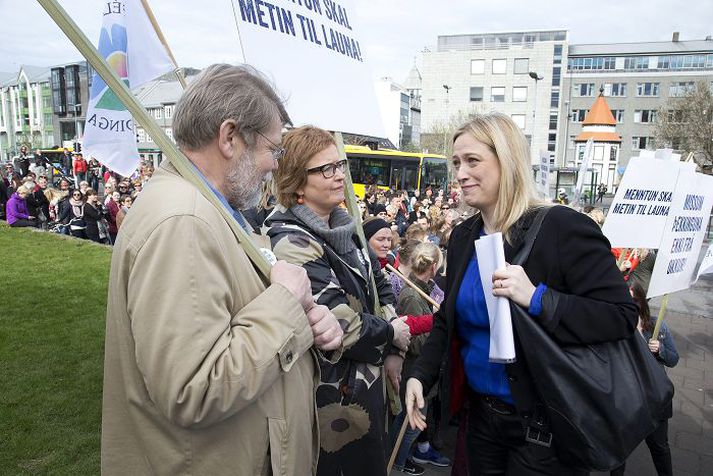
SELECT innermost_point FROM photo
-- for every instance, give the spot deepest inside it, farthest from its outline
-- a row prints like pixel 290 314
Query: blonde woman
pixel 569 284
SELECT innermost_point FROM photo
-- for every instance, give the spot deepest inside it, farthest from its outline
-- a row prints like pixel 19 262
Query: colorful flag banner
pixel 130 45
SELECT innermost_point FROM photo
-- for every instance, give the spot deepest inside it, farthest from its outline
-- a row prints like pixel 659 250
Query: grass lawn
pixel 52 309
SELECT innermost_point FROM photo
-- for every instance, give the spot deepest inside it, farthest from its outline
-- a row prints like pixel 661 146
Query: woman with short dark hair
pixel 309 228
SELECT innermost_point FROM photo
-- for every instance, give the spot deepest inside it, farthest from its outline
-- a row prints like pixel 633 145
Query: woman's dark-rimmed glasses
pixel 328 170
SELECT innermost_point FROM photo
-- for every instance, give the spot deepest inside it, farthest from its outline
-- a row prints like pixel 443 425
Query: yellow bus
pixel 394 169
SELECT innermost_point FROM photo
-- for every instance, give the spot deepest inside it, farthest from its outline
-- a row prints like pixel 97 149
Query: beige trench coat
pixel 207 372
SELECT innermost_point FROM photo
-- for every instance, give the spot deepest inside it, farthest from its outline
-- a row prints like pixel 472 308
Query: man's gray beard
pixel 242 183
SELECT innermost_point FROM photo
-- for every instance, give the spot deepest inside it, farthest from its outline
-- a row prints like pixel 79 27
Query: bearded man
pixel 207 370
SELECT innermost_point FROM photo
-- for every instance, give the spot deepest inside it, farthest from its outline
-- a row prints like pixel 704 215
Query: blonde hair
pixel 300 145
pixel 516 193
pixel 425 255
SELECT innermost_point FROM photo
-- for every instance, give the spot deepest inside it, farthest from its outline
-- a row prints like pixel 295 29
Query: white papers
pixel 491 256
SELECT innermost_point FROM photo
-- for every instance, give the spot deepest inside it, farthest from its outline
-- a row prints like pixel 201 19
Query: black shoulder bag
pixel 602 400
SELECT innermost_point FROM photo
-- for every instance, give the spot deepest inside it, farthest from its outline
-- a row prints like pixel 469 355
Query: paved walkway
pixel 690 318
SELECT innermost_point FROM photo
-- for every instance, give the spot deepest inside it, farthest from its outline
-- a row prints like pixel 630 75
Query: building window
pixel 519 93
pixel 618 115
pixel 698 61
pixel 578 115
pixel 645 115
pixel 675 115
pixel 477 66
pixel 615 89
pixel 584 89
pixel 555 99
pixel 168 111
pixel 519 120
pixel 641 142
pixel 497 94
pixel 157 112
pixel 522 66
pixel 681 88
pixel 556 75
pixel 551 142
pixel 647 89
pixel 558 50
pixel 476 94
pixel 553 121
pixel 169 133
pixel 636 62
pixel 589 64
pixel 499 66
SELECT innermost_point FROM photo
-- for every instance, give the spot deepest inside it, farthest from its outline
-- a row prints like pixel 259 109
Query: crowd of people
pixel 75 197
pixel 211 368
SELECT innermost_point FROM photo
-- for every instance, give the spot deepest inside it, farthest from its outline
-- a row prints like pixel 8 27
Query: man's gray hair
pixel 222 92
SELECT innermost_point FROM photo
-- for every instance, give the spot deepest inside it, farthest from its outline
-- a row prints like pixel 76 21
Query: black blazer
pixel 587 300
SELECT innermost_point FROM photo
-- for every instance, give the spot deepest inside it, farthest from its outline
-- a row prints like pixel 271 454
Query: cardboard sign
pixel 313 53
pixel 683 234
pixel 637 216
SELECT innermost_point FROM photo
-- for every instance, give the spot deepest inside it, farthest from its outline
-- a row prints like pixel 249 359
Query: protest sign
pixel 638 214
pixel 544 179
pixel 683 234
pixel 313 53
pixel 706 266
pixel 586 163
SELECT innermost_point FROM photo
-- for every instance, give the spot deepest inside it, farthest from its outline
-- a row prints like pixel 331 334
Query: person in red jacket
pixel 79 168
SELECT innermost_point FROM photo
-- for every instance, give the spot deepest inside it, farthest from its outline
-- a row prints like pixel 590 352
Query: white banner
pixel 314 54
pixel 544 180
pixel 637 216
pixel 706 266
pixel 130 45
pixel 683 235
pixel 586 163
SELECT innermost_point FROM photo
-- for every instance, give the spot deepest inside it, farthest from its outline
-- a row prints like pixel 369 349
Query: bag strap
pixel 531 236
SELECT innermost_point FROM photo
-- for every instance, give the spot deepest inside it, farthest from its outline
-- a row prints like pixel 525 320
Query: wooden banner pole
pixel 353 209
pixel 659 319
pixel 182 164
pixel 413 285
pixel 395 451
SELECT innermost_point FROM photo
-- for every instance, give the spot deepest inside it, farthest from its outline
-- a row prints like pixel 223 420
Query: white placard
pixel 637 216
pixel 313 53
pixel 706 266
pixel 683 235
pixel 586 163
pixel 544 180
pixel 491 257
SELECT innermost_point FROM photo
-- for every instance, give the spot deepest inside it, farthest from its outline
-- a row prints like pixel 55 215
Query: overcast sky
pixel 393 32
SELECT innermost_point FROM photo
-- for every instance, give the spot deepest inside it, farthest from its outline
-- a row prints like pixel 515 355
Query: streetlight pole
pixel 445 122
pixel 77 107
pixel 537 78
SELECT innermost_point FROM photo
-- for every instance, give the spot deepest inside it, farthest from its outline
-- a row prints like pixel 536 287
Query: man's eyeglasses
pixel 328 170
pixel 277 151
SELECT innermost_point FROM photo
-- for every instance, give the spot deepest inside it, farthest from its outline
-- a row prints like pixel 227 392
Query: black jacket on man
pixel 587 301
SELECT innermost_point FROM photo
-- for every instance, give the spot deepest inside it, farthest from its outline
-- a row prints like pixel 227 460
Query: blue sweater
pixel 473 327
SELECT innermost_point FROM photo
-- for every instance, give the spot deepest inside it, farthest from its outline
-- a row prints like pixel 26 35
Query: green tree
pixel 685 123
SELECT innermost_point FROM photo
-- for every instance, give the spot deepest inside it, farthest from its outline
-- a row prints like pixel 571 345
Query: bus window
pixel 434 173
pixel 369 171
pixel 404 175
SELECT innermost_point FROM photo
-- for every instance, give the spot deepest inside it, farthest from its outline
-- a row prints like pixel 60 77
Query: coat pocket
pixel 277 428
